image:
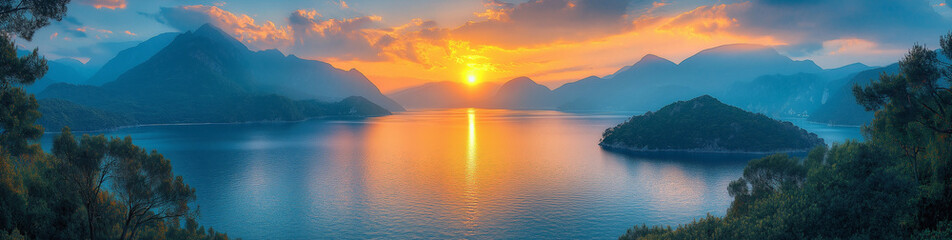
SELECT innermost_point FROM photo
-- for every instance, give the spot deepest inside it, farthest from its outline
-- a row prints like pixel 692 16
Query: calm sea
pixel 460 173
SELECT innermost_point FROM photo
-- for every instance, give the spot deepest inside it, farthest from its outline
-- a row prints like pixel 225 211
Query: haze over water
pixel 459 173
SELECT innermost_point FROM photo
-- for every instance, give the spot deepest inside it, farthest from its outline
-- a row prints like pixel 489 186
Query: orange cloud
pixel 264 35
pixel 554 63
pixel 109 4
pixel 706 19
pixel 129 33
pixel 308 34
pixel 84 29
pixel 496 10
pixel 353 38
pixel 421 50
pixel 413 53
pixel 53 36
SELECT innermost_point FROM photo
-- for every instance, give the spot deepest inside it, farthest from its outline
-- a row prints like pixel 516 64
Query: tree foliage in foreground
pixel 896 185
pixel 63 195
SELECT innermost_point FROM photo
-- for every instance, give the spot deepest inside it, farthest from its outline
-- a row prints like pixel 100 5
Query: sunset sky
pixel 398 44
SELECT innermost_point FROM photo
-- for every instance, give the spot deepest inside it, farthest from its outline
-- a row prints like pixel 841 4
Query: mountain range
pixel 754 77
pixel 208 76
pixel 129 58
pixel 188 71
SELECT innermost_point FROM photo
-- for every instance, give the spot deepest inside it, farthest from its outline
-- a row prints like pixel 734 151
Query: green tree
pixel 61 195
pixel 766 176
pixel 86 167
pixel 19 111
pixel 24 17
pixel 147 189
pixel 914 123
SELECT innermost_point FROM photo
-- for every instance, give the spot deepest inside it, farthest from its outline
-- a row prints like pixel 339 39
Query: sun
pixel 471 79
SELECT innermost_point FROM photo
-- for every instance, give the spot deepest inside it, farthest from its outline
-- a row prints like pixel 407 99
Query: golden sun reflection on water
pixel 472 172
pixel 471 147
pixel 471 194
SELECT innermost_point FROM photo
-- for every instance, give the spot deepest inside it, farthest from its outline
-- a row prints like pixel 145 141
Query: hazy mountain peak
pixel 521 81
pixel 589 78
pixel 272 52
pixel 523 93
pixel 69 61
pixel 734 52
pixel 855 65
pixel 719 66
pixel 216 34
pixel 653 61
pixel 208 28
pixel 130 57
pixel 650 58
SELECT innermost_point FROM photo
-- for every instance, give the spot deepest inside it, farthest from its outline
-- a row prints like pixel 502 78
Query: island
pixel 704 124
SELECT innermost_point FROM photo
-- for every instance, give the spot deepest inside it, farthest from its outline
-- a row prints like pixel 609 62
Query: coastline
pixel 221 123
pixel 621 148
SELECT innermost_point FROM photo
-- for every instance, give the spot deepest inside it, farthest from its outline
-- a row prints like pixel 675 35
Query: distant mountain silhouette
pixel 845 72
pixel 625 89
pixel 264 72
pixel 720 66
pixel 66 70
pixel 754 77
pixel 129 58
pixel 841 107
pixel 447 94
pixel 779 95
pixel 523 93
pixel 650 66
pixel 301 79
pixel 206 76
pixel 722 71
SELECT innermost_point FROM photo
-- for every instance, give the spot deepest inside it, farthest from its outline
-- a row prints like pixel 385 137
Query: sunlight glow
pixel 471 79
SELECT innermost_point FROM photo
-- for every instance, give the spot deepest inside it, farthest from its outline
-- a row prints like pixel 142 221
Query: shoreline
pixel 619 148
pixel 219 123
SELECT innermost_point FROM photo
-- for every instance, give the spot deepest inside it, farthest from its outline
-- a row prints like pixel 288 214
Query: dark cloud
pixel 182 18
pixel 344 39
pixel 807 24
pixel 264 35
pixel 308 34
pixel 155 16
pixel 540 22
pixel 72 20
pixel 801 49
